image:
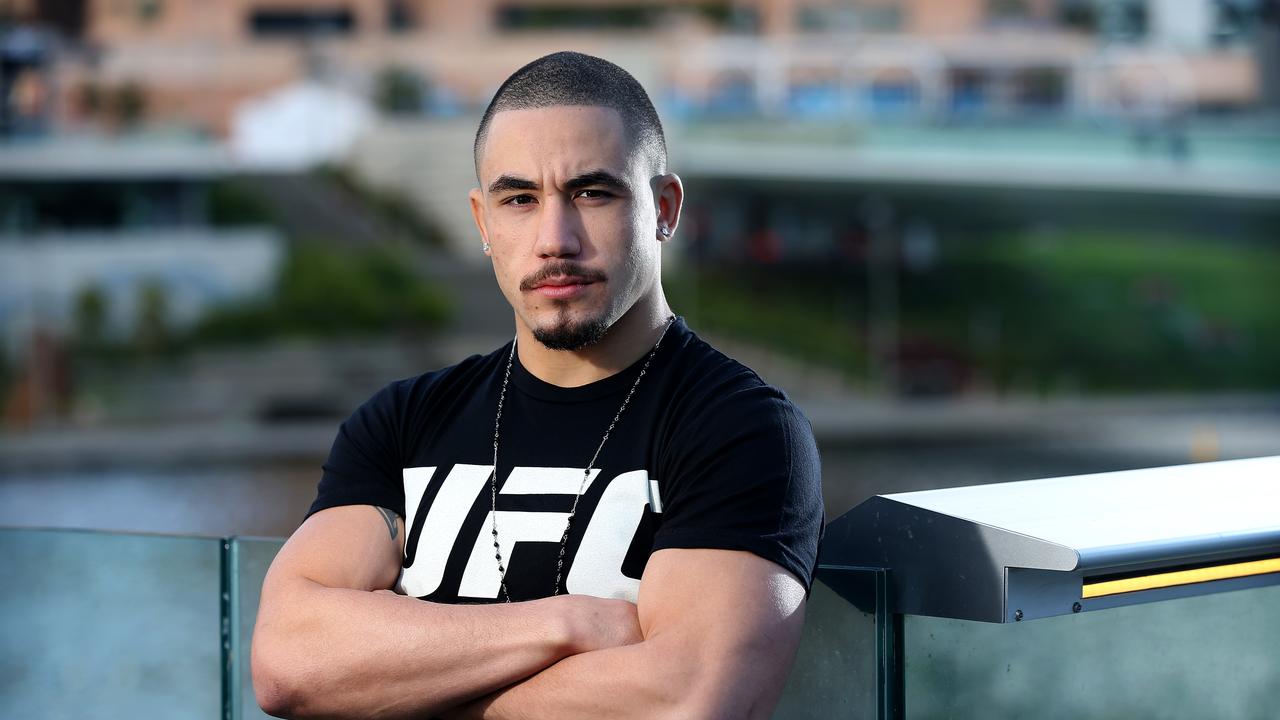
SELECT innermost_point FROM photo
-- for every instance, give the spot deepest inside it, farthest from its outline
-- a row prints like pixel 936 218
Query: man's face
pixel 566 207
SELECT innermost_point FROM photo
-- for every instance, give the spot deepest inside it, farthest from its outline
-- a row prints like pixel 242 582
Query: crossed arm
pixel 720 630
pixel 712 636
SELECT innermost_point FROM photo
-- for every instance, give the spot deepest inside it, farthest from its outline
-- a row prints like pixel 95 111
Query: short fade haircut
pixel 572 78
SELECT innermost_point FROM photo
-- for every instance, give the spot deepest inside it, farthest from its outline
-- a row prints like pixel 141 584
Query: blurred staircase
pixel 430 163
pixel 309 206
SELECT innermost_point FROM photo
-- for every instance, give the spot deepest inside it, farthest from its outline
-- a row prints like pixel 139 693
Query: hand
pixel 601 623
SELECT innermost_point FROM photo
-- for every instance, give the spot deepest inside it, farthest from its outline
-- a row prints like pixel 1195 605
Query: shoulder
pixel 711 382
pixel 718 402
pixel 738 467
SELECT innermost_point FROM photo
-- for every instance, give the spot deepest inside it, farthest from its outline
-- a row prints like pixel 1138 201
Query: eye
pixel 518 200
pixel 595 194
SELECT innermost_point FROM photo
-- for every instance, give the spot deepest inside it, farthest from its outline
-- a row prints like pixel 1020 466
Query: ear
pixel 668 196
pixel 477 214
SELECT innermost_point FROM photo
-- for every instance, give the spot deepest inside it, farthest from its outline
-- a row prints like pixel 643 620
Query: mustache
pixel 561 268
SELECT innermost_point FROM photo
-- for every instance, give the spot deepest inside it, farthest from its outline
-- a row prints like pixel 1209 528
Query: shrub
pixel 326 292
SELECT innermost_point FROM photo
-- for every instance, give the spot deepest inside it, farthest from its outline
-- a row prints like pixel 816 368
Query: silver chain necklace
pixel 586 473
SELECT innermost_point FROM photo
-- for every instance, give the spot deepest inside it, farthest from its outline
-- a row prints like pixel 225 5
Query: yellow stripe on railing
pixel 1180 577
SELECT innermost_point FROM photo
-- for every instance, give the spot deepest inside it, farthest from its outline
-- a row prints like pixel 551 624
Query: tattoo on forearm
pixel 389 516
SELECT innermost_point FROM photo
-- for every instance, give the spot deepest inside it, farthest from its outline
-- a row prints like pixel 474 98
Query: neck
pixel 628 340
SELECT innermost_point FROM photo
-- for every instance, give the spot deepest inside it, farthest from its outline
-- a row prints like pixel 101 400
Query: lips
pixel 564 286
pixel 560 280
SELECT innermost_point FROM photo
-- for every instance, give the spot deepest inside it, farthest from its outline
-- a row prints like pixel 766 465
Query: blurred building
pixel 98 240
pixel 291 82
pixel 192 63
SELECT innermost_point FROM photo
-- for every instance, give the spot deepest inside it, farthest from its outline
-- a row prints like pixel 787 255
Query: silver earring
pixel 485 247
pixel 666 232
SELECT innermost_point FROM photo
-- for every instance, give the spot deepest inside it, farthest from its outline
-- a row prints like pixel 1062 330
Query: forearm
pixel 615 683
pixel 333 651
pixel 720 630
pixel 664 677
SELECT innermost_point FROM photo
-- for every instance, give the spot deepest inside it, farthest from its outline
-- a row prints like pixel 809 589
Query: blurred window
pixel 149 10
pixel 99 205
pixel 1080 15
pixel 816 98
pixel 1123 19
pixel 968 93
pixel 732 94
pixel 1041 89
pixel 893 94
pixel 400 17
pixel 742 19
pixel 16 213
pixel 68 18
pixel 1001 12
pixel 144 10
pixel 301 22
pixel 545 17
pixel 812 18
pixel 1235 21
pixel 880 18
pixel 861 17
pixel 621 16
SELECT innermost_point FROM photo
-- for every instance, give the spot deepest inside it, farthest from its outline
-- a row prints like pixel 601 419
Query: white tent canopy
pixel 297 126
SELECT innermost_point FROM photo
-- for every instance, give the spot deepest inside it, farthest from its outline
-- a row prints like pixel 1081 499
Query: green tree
pixel 129 104
pixel 326 291
pixel 6 377
pixel 90 318
pixel 400 91
pixel 152 335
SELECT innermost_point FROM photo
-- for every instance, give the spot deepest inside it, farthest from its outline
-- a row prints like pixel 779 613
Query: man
pixel 608 518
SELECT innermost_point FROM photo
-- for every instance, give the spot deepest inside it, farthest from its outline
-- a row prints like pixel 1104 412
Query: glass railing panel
pixel 834 675
pixel 247 563
pixel 106 625
pixel 1212 656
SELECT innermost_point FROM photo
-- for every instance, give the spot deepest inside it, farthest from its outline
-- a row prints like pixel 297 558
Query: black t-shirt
pixel 706 455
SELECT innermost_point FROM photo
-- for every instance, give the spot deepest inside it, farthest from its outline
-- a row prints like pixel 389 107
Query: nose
pixel 559 229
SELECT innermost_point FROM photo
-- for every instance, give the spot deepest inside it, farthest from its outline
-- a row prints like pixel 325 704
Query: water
pixel 267 497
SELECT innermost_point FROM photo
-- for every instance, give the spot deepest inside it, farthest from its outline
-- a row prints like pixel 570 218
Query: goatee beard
pixel 570 336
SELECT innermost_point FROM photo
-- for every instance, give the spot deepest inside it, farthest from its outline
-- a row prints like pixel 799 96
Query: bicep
pixel 734 614
pixel 353 546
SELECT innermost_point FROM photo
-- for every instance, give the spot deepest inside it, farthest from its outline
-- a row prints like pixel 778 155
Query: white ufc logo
pixel 597 566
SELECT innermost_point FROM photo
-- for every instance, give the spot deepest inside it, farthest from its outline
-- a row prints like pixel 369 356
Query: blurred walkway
pixel 1192 427
pixel 1084 159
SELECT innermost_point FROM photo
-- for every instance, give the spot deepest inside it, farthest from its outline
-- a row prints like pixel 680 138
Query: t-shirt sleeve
pixel 744 474
pixel 363 467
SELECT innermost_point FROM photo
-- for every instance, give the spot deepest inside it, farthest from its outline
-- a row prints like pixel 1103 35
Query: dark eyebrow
pixel 511 182
pixel 597 177
pixel 591 178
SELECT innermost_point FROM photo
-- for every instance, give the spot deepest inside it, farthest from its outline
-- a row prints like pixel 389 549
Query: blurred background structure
pixel 976 240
